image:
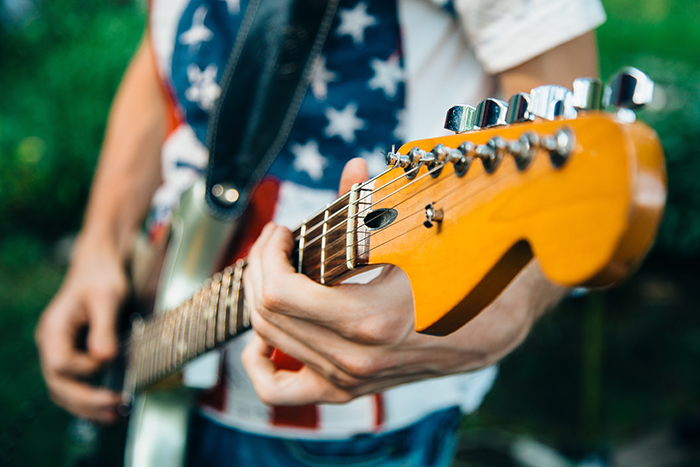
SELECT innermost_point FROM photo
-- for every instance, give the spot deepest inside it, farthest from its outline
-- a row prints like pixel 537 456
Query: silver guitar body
pixel 159 419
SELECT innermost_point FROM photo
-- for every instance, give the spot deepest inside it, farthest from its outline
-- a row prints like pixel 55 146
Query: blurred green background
pixel 602 372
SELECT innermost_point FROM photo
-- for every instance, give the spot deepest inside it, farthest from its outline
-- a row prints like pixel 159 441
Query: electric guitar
pixel 461 215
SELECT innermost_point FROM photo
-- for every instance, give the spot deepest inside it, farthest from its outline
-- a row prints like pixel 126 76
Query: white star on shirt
pixel 376 160
pixel 343 123
pixel 354 22
pixel 387 75
pixel 307 158
pixel 321 78
pixel 203 88
pixel 198 33
pixel 234 6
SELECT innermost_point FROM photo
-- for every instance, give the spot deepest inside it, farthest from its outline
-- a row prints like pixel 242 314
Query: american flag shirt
pixel 357 105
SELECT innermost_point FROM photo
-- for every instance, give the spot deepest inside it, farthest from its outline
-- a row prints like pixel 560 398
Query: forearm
pixel 128 171
pixel 577 58
pixel 505 323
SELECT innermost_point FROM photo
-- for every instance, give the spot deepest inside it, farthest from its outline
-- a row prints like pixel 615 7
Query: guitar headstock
pixel 547 175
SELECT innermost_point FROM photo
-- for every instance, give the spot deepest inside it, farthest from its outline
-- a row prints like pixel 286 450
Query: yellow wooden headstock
pixel 588 208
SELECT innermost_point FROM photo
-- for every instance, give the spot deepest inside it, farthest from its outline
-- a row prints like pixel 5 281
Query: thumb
pixel 102 329
pixel 355 171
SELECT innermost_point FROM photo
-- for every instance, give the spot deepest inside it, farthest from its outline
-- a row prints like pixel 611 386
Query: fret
pixel 143 357
pixel 302 243
pixel 165 343
pixel 350 227
pixel 362 233
pixel 221 315
pixel 233 308
pixel 194 325
pixel 185 312
pixel 177 318
pixel 156 346
pixel 202 318
pixel 165 337
pixel 323 245
pixel 150 350
pixel 162 343
pixel 172 338
pixel 213 310
pixel 242 304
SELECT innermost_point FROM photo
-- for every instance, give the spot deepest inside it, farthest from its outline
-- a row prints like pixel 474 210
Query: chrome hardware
pixel 432 215
pixel 519 109
pixel 523 150
pixel 587 94
pixel 225 193
pixel 629 89
pixel 560 146
pixel 460 118
pixel 461 163
pixel 491 153
pixel 550 102
pixel 439 155
pixel 395 159
pixel 416 157
pixel 491 112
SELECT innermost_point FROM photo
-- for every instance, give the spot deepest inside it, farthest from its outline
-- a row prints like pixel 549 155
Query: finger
pixel 84 400
pixel 56 337
pixel 282 387
pixel 252 274
pixel 102 332
pixel 355 171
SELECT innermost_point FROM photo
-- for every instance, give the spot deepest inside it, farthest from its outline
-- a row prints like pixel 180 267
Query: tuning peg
pixel 587 94
pixel 460 118
pixel 630 89
pixel 519 109
pixel 490 112
pixel 549 102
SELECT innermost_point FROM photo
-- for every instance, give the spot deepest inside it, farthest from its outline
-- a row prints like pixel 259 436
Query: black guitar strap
pixel 264 83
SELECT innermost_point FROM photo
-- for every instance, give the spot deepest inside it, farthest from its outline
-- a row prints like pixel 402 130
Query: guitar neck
pixel 327 247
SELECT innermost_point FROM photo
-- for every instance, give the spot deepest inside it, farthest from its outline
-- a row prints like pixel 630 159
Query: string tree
pixel 432 215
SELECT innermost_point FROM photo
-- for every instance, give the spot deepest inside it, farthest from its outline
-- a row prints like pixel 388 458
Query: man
pixel 388 70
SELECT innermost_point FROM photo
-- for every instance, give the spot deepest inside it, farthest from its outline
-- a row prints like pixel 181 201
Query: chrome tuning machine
pixel 588 93
pixel 628 90
pixel 519 109
pixel 460 118
pixel 490 112
pixel 550 102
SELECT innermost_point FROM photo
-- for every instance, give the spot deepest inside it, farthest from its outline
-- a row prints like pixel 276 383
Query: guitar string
pixel 374 203
pixel 151 322
pixel 359 188
pixel 400 177
pixel 165 317
pixel 418 212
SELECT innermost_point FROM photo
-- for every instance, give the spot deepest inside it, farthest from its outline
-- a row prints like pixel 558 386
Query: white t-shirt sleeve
pixel 506 33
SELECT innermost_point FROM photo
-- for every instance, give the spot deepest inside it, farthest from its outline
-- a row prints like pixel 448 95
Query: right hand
pixel 90 297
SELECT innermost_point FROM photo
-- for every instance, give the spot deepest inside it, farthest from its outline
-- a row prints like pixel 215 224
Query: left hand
pixel 356 339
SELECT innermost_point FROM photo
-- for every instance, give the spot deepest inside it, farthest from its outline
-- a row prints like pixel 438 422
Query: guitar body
pixel 159 417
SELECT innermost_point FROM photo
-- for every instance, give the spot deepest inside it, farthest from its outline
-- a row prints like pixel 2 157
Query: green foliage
pixel 660 37
pixel 58 75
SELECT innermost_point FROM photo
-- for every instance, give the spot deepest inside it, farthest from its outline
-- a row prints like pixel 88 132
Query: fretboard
pixel 327 247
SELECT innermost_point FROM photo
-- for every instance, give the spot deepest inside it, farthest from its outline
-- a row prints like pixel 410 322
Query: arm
pixel 359 339
pixel 95 285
